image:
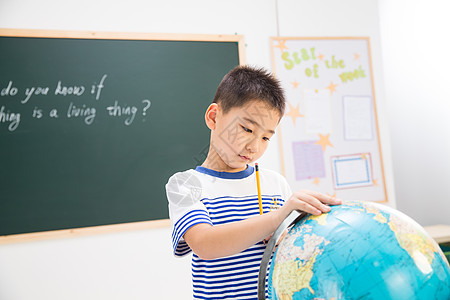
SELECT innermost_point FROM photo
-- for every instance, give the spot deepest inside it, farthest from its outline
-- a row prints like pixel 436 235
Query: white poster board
pixel 328 138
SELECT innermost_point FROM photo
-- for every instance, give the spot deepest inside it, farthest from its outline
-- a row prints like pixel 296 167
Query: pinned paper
pixel 308 160
pixel 358 120
pixel 352 171
pixel 317 111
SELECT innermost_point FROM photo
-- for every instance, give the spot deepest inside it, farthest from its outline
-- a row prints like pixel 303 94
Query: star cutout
pixel 281 45
pixel 320 56
pixel 375 182
pixel 294 112
pixel 295 84
pixel 316 181
pixel 324 141
pixel 356 56
pixel 334 195
pixel 364 156
pixel 332 87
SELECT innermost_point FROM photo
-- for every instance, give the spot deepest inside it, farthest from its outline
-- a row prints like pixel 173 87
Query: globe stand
pixel 293 218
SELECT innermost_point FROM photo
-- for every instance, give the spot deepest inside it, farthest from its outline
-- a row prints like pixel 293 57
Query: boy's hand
pixel 311 202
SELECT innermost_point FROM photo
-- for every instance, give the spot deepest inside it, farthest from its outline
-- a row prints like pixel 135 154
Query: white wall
pixel 129 265
pixel 139 264
pixel 416 50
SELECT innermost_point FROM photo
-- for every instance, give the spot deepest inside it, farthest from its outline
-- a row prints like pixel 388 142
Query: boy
pixel 214 209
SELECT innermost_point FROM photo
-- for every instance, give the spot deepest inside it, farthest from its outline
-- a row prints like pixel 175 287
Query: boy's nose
pixel 253 146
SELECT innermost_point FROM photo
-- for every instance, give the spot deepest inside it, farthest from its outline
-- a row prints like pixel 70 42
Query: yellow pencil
pixel 259 189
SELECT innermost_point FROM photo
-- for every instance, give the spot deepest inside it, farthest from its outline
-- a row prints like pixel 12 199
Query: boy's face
pixel 242 135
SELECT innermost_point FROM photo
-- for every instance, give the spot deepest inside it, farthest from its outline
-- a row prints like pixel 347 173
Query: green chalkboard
pixel 91 129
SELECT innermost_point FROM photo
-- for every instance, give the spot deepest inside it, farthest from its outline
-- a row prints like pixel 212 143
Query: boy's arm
pixel 210 242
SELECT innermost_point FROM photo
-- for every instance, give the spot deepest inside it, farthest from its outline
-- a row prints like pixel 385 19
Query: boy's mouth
pixel 244 157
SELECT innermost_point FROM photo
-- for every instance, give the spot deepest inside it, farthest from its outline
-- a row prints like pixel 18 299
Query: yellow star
pixel 356 56
pixel 294 112
pixel 334 195
pixel 375 182
pixel 316 181
pixel 320 56
pixel 332 87
pixel 281 45
pixel 324 141
pixel 295 84
pixel 364 156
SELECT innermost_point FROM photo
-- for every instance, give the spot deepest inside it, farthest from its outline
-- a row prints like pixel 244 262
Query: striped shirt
pixel 207 196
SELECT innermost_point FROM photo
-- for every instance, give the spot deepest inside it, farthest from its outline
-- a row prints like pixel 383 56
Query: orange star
pixel 294 112
pixel 356 56
pixel 281 45
pixel 320 56
pixel 334 195
pixel 316 181
pixel 324 141
pixel 375 182
pixel 295 84
pixel 332 87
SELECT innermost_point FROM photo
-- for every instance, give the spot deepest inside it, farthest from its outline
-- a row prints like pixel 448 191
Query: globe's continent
pixel 359 250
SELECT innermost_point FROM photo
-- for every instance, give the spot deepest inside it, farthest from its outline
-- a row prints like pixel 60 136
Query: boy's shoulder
pixel 182 174
pixel 183 179
pixel 271 172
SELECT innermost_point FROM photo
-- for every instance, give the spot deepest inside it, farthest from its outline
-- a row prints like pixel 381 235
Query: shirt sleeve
pixel 184 192
pixel 287 192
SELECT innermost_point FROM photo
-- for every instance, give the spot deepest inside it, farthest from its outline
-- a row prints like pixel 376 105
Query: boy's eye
pixel 266 139
pixel 246 129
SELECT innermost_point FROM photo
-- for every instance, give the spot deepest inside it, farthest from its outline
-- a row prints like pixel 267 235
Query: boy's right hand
pixel 311 202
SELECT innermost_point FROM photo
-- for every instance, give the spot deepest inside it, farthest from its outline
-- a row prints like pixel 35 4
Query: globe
pixel 359 250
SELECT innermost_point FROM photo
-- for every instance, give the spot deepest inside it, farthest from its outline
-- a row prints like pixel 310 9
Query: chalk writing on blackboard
pixel 10 118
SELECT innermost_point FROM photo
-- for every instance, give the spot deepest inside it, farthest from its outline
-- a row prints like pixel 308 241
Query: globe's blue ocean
pixel 359 251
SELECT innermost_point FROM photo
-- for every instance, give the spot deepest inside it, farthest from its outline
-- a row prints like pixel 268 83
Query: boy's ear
pixel 211 115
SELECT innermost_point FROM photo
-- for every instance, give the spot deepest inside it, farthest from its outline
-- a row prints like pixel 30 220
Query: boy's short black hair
pixel 244 83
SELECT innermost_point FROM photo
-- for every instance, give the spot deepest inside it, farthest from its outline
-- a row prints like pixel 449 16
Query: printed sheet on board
pixel 329 139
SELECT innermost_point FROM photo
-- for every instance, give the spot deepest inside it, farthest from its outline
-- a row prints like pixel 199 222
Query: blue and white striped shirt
pixel 207 196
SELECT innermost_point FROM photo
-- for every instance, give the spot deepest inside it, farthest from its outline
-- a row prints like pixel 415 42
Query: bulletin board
pixel 329 139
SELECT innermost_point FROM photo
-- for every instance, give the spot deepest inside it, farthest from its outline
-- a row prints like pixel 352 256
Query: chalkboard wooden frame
pixel 32 33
